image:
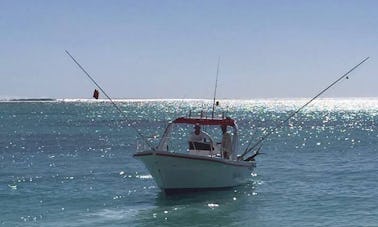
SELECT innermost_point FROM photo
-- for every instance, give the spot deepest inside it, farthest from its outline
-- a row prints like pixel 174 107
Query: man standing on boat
pixel 226 143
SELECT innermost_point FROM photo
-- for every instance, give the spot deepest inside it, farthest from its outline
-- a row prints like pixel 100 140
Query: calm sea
pixel 69 163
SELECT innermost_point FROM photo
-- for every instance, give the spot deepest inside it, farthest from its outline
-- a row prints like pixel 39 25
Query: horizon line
pixel 7 99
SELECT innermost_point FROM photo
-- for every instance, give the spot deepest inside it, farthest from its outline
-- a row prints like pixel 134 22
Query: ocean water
pixel 69 163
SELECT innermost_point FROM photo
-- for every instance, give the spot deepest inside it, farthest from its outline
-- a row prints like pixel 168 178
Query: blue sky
pixel 169 49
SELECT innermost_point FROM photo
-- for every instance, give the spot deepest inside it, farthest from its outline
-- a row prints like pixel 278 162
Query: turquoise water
pixel 69 163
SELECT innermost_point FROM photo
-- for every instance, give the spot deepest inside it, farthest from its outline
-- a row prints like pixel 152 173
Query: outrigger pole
pixel 110 99
pixel 259 142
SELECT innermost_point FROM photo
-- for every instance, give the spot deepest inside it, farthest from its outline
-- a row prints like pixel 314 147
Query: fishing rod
pixel 111 100
pixel 215 89
pixel 249 149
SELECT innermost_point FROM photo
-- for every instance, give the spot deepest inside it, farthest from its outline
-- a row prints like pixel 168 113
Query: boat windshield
pixel 199 136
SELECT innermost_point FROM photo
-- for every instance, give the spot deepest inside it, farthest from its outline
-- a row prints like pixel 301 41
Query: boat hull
pixel 178 171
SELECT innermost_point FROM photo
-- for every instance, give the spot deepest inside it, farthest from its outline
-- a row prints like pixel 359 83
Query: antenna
pixel 215 89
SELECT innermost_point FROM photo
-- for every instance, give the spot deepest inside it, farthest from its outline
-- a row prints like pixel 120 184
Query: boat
pixel 196 165
pixel 201 164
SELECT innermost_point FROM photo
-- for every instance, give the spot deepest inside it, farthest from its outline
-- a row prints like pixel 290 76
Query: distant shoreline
pixel 176 99
pixel 31 100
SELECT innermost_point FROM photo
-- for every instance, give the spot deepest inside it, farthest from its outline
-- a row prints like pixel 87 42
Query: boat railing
pixel 204 115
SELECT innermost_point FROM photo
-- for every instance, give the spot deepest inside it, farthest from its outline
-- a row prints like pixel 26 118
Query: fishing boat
pixel 198 164
pixel 204 163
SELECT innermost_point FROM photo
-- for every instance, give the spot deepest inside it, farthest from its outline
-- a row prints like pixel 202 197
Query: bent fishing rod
pixel 259 142
pixel 111 100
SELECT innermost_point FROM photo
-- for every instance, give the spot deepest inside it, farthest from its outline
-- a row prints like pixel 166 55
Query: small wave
pixel 119 214
pixel 116 214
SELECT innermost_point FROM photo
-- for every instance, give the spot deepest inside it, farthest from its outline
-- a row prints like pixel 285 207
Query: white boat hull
pixel 175 171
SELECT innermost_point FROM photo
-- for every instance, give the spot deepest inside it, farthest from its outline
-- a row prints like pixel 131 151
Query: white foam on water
pixel 148 176
pixel 125 214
